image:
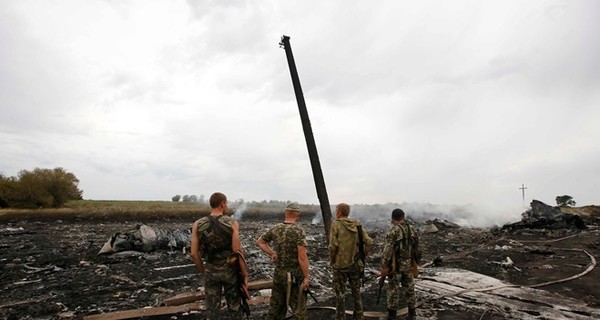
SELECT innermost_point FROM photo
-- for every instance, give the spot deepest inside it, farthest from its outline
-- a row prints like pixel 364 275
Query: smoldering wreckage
pixel 542 267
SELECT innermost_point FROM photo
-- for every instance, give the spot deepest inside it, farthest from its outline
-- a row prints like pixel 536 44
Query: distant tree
pixel 176 198
pixel 186 198
pixel 193 198
pixel 202 199
pixel 565 201
pixel 7 187
pixel 41 188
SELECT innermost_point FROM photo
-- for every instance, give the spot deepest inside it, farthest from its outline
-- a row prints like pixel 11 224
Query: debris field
pixel 51 270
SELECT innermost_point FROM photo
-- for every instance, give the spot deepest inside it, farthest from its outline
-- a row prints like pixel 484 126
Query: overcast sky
pixel 442 102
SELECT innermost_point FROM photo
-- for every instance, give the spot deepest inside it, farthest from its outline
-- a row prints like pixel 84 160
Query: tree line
pixel 40 188
pixel 189 198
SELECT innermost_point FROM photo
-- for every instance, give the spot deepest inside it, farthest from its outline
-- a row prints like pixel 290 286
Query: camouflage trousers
pixel 340 277
pixel 398 283
pixel 221 281
pixel 278 305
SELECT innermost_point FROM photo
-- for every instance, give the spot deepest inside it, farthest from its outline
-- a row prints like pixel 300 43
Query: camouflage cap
pixel 294 206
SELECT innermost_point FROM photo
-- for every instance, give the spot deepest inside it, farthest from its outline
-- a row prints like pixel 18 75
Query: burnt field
pixel 51 270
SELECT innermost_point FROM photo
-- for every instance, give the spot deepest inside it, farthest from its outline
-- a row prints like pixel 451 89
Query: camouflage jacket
pixel 224 239
pixel 401 245
pixel 286 238
pixel 344 242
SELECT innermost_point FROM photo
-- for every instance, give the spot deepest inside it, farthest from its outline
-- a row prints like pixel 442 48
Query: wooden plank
pixel 184 298
pixel 8 304
pixel 158 311
pixel 260 284
pixel 188 297
pixel 145 312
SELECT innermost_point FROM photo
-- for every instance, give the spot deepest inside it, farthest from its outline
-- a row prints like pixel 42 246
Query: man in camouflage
pixel 401 247
pixel 215 238
pixel 290 279
pixel 346 260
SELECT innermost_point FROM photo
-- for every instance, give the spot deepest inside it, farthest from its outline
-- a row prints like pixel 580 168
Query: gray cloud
pixel 451 104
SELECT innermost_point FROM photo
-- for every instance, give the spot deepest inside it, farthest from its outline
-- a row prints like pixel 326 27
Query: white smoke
pixel 318 218
pixel 239 211
pixel 464 215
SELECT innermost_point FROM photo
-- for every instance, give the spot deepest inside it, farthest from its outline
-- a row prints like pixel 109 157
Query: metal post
pixel 522 188
pixel 308 135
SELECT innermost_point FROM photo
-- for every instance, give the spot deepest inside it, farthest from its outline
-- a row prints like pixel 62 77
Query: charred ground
pixel 51 270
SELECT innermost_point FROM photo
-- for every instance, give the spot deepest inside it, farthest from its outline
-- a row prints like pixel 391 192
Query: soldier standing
pixel 290 279
pixel 347 259
pixel 215 238
pixel 401 247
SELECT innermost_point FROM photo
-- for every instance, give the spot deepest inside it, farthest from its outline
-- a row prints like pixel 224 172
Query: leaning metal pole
pixel 310 140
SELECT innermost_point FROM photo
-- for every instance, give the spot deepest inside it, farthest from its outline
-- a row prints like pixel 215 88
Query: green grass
pixel 108 209
pixel 144 210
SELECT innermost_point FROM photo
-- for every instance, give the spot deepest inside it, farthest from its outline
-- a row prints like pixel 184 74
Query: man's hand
pixel 305 284
pixel 274 257
pixel 384 272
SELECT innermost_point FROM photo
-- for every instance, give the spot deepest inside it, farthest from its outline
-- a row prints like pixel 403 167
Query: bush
pixel 565 201
pixel 40 188
pixel 7 187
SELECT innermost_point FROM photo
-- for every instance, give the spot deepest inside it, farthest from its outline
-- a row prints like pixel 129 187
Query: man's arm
pixel 333 245
pixel 264 246
pixel 388 251
pixel 195 250
pixel 332 256
pixel 303 260
pixel 236 246
pixel 368 242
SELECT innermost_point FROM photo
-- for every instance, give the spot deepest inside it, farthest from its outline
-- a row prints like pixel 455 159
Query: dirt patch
pixel 50 269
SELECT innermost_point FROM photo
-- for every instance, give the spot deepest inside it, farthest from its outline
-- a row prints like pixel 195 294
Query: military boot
pixel 391 314
pixel 412 314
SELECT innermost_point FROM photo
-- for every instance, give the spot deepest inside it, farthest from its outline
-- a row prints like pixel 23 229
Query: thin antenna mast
pixel 522 188
pixel 310 140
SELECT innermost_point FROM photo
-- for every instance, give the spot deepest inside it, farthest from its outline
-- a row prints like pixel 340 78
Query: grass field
pixel 106 209
pixel 143 210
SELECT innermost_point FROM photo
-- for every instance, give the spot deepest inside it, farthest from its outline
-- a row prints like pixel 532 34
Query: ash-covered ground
pixel 51 270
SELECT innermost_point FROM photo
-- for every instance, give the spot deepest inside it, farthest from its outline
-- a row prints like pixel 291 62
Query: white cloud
pixel 429 102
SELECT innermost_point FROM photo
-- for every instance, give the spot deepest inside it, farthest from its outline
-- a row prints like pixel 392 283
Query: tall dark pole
pixel 522 188
pixel 310 140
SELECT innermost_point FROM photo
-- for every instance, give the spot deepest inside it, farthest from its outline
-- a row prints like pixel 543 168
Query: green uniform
pixel 286 238
pixel 401 244
pixel 220 278
pixel 347 267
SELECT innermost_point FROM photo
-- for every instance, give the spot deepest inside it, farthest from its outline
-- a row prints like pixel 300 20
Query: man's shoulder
pixel 274 229
pixel 342 219
pixel 228 220
pixel 208 220
pixel 396 230
pixel 287 227
pixel 202 221
pixel 297 227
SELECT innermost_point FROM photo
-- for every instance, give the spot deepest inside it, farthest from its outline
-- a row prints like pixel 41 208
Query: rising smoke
pixel 380 214
pixel 420 213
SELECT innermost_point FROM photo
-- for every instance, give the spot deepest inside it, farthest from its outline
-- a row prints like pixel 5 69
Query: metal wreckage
pixel 144 238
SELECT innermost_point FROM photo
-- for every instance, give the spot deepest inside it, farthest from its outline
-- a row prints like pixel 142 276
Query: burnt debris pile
pixel 541 215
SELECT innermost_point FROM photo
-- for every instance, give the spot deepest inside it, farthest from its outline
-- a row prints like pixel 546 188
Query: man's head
pixel 397 215
pixel 292 210
pixel 342 210
pixel 217 199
